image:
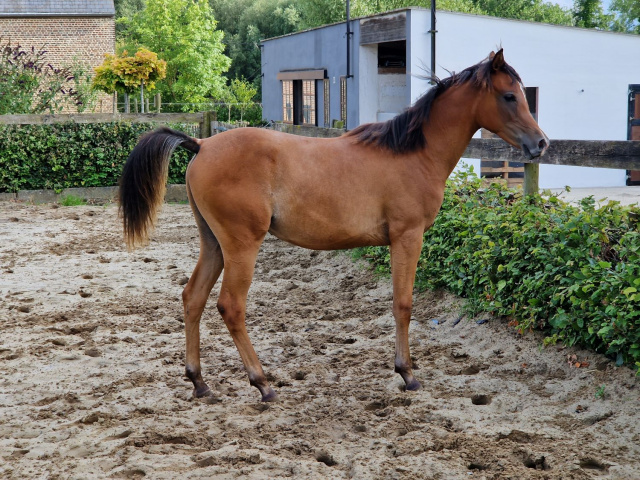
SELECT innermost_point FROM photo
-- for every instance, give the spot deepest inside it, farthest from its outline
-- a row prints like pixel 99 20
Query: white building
pixel 582 80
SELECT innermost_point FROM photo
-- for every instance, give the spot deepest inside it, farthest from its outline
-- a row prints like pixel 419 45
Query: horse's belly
pixel 328 235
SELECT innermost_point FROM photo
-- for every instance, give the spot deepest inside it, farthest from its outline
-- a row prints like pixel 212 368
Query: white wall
pixel 368 83
pixel 382 96
pixel 582 75
pixel 392 94
pixel 418 53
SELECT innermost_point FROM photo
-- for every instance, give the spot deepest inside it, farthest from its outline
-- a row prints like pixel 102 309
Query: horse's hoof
pixel 270 396
pixel 413 385
pixel 203 391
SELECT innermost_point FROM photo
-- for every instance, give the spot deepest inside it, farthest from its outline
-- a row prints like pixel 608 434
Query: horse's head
pixel 503 109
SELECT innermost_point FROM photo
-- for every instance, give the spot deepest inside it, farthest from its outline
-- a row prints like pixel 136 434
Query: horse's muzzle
pixel 535 150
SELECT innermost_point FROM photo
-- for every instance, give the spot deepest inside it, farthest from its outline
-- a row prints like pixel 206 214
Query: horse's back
pixel 308 191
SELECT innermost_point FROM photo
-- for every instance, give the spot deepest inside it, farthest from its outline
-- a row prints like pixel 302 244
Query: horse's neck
pixel 450 127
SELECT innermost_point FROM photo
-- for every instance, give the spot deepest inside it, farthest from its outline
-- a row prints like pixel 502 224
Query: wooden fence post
pixel 158 102
pixel 205 125
pixel 531 178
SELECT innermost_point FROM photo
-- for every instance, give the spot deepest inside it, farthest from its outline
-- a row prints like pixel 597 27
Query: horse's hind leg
pixel 240 261
pixel 194 298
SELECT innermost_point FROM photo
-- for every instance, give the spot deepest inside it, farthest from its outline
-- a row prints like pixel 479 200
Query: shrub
pixel 30 84
pixel 572 271
pixel 66 155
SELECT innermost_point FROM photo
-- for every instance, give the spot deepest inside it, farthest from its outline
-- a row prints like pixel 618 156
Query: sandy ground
pixel 92 385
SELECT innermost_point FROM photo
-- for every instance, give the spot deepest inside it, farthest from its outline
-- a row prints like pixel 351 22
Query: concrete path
pixel 624 195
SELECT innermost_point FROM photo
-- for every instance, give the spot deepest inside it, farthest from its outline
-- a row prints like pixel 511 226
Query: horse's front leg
pixel 405 252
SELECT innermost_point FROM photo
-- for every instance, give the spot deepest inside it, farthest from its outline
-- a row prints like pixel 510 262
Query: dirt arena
pixel 92 362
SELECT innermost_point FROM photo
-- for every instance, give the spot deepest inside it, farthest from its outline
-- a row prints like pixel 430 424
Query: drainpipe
pixel 349 33
pixel 433 39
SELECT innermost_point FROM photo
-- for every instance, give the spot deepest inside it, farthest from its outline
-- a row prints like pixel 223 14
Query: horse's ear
pixel 497 60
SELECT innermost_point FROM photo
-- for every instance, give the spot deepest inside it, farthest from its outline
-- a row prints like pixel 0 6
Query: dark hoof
pixel 270 396
pixel 203 391
pixel 413 385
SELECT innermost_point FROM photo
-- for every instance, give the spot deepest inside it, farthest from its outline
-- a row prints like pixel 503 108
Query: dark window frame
pixel 343 100
pixel 287 101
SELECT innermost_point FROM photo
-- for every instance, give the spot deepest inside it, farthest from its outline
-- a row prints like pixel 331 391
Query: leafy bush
pixel 66 155
pixel 30 84
pixel 572 271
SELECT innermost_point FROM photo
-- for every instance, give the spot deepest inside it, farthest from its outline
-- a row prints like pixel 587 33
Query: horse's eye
pixel 510 97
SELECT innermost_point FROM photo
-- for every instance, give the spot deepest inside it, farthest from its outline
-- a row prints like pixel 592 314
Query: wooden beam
pixel 580 153
pixel 388 28
pixel 302 75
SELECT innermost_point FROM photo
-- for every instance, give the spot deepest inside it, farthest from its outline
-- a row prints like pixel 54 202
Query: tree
pixel 589 14
pixel 182 32
pixel 321 12
pixel 124 74
pixel 626 16
pixel 246 23
pixel 125 10
pixel 30 84
pixel 532 10
pixel 244 93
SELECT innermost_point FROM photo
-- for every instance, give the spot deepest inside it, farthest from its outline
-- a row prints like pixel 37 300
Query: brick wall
pixel 66 38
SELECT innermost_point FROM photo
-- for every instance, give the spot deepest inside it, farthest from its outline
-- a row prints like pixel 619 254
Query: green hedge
pixel 72 155
pixel 572 271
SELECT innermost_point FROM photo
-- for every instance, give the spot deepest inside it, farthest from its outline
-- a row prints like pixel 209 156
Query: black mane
pixel 403 133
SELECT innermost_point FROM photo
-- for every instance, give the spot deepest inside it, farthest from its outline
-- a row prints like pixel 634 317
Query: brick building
pixel 66 29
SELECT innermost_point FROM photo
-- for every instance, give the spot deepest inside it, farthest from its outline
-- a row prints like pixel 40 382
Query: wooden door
pixel 633 131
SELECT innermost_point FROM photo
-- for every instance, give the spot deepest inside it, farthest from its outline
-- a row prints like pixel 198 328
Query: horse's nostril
pixel 542 144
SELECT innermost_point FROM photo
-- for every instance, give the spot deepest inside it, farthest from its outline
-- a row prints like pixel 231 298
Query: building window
pixel 308 102
pixel 392 57
pixel 343 101
pixel 299 102
pixel 327 104
pixel 287 101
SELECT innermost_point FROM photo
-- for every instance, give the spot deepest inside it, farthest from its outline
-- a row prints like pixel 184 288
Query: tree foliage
pixel 532 10
pixel 184 34
pixel 626 16
pixel 125 10
pixel 590 14
pixel 247 22
pixel 123 74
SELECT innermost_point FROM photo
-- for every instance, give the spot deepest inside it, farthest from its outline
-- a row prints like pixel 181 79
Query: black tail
pixel 144 178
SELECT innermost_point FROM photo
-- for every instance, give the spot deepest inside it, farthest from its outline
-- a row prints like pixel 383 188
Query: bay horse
pixel 378 184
